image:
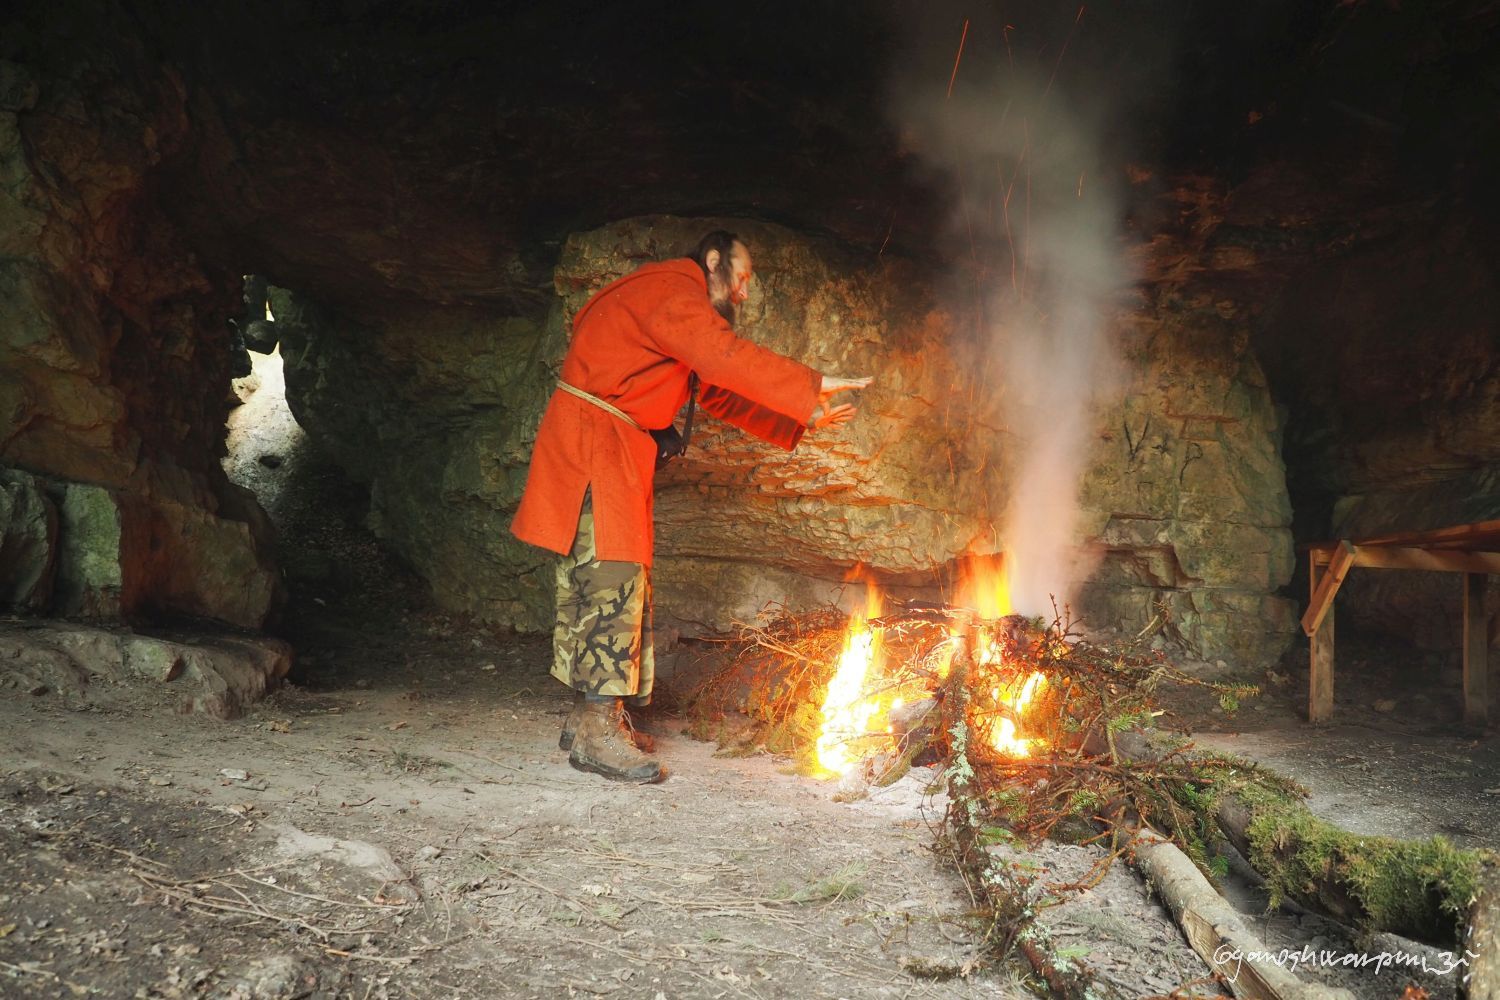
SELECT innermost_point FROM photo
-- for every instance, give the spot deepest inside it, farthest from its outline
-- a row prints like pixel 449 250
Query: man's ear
pixel 711 261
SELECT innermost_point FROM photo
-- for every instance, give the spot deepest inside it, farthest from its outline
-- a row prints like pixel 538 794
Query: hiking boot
pixel 602 744
pixel 643 741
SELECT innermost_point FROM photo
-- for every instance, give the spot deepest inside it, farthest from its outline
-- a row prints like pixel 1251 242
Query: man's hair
pixel 720 240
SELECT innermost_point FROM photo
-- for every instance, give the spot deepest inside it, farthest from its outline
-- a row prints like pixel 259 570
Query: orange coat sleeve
pixel 748 415
pixel 685 326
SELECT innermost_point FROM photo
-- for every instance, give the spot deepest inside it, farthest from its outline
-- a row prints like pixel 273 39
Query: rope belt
pixel 606 407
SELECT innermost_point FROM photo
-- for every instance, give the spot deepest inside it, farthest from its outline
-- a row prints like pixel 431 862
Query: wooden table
pixel 1470 549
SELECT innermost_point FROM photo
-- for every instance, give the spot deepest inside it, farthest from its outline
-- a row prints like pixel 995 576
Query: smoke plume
pixel 1036 258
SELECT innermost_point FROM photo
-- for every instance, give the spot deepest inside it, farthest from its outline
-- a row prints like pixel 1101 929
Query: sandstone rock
pixel 270 977
pixel 91 570
pixel 28 542
pixel 114 343
pixel 260 336
pixel 146 161
pixel 1183 497
pixel 205 673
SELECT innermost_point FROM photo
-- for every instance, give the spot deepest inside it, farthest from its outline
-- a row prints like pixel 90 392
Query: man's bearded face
pixel 729 283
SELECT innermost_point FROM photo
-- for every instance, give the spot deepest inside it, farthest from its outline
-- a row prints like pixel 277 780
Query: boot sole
pixel 582 763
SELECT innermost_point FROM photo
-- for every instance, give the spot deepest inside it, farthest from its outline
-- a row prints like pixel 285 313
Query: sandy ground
pixel 1394 761
pixel 469 859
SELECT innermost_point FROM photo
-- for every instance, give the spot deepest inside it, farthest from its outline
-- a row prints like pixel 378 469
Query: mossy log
pixel 1420 889
pixel 1425 890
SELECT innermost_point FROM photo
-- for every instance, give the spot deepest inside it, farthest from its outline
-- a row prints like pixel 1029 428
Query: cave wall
pixel 1403 431
pixel 113 351
pixel 1187 493
pixel 1184 498
pixel 1366 224
pixel 422 193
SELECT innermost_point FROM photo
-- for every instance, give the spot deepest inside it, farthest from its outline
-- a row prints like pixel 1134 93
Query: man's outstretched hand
pixel 829 414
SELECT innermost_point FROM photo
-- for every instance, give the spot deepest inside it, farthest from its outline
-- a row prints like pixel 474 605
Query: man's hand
pixel 829 414
pixel 832 384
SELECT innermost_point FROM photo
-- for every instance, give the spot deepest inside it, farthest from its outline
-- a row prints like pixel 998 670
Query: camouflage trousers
pixel 601 643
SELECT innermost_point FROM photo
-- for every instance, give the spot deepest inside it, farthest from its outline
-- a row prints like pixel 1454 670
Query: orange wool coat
pixel 635 344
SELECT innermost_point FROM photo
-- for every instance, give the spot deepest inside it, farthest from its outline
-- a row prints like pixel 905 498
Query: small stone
pixel 429 852
pixel 161 780
pixel 235 774
pixel 1385 705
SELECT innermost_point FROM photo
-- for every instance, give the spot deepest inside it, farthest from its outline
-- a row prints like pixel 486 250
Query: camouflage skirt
pixel 601 643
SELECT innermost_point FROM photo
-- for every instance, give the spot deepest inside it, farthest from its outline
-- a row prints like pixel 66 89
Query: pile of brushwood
pixel 1096 769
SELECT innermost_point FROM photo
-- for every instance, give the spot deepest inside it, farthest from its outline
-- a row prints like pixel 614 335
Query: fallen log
pixel 1420 889
pixel 1215 929
pixel 1425 890
pixel 1481 976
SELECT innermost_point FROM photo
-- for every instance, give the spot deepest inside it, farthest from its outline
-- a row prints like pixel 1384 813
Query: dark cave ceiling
pixel 382 151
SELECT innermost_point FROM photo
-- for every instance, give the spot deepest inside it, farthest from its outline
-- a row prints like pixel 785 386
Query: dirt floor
pixel 412 831
pixel 1394 760
pixel 398 822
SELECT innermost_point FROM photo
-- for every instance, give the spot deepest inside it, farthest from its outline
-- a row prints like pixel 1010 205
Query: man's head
pixel 726 264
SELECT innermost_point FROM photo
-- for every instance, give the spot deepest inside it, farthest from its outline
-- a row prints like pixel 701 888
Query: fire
pixel 846 710
pixel 851 713
pixel 984 585
pixel 1012 700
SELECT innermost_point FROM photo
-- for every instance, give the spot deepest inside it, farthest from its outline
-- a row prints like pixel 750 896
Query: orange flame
pixel 850 713
pixel 984 585
pixel 1013 700
pixel 846 711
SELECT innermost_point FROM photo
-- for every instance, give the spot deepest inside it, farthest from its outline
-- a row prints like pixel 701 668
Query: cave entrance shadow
pixel 351 604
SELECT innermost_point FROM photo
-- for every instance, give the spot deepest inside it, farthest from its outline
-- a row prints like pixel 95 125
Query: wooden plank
pixel 1457 534
pixel 1440 560
pixel 1480 536
pixel 1476 652
pixel 1320 659
pixel 1328 587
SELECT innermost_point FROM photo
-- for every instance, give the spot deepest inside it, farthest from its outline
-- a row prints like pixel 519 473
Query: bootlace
pixel 627 724
pixel 623 730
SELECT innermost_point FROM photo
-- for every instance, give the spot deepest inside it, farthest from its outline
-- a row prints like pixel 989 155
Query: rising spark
pixel 960 55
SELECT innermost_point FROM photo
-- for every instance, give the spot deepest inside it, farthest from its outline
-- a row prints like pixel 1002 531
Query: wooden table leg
pixel 1320 660
pixel 1476 652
